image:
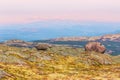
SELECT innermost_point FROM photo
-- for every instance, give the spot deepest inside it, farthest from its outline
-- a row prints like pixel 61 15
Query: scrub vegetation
pixel 57 63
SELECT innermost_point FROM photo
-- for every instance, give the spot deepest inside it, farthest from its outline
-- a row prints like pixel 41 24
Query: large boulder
pixel 42 46
pixel 95 46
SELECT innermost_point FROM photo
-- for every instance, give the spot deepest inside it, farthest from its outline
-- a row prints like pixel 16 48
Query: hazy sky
pixel 22 11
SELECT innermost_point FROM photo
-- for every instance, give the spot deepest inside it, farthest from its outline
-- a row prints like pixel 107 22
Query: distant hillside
pixel 111 41
pixel 109 37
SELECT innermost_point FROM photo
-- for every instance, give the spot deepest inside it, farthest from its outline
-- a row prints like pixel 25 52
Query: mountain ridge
pixel 108 37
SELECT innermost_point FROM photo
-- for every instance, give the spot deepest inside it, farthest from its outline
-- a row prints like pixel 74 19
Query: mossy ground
pixel 57 63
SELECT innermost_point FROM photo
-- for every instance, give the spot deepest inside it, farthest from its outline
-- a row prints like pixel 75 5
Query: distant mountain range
pixel 54 29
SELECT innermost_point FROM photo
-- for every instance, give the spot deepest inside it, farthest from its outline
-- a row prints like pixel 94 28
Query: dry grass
pixel 30 64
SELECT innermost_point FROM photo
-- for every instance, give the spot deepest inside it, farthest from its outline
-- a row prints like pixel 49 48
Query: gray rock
pixel 42 46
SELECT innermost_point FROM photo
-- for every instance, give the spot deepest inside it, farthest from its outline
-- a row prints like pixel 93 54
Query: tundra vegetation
pixel 57 63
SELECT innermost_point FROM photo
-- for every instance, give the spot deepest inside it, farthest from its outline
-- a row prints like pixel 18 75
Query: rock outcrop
pixel 18 43
pixel 93 58
pixel 95 46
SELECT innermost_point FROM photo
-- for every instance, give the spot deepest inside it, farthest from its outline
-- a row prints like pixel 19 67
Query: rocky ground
pixel 56 63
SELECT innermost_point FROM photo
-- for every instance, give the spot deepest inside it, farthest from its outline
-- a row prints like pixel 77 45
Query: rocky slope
pixel 19 63
pixel 109 37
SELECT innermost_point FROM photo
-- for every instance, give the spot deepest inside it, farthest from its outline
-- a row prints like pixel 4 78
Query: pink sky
pixel 22 11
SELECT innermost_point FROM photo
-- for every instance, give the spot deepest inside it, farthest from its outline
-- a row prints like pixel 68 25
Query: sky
pixel 26 11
